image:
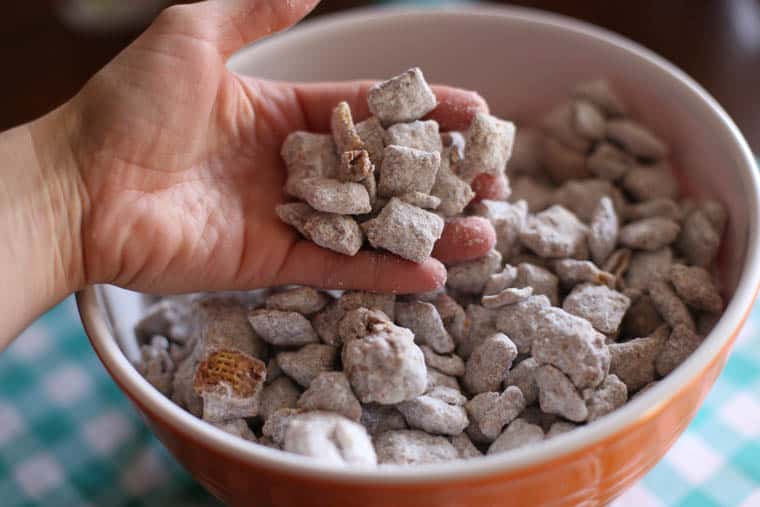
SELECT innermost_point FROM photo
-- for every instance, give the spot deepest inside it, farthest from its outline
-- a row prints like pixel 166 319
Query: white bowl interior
pixel 520 61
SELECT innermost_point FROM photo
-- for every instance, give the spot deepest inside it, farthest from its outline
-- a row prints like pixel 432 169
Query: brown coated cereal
pixel 497 282
pixel 560 427
pixel 306 363
pixel 507 220
pixel 609 162
pixel 604 229
pixel 335 232
pixel 405 230
pixel 543 281
pixel 645 183
pixel 603 307
pixel 413 447
pixel 450 364
pixel 506 297
pixel 555 232
pixel 699 240
pixel 229 382
pixel 600 93
pixel 407 170
pixel 455 194
pixel 492 410
pixel 403 98
pixel 331 392
pixel 669 305
pixel 659 207
pixel 420 135
pixel 641 319
pixel 636 139
pixel 561 162
pixel 356 166
pixel 611 394
pixel 523 376
pixel 156 365
pixel 424 321
pixel 489 363
pixel 279 393
pixel 558 395
pixel 282 328
pixel 329 438
pixel 572 272
pixel 634 361
pixel 435 415
pixel 381 418
pixel 488 146
pixel 648 267
pixel 308 155
pixel 372 135
pixel 521 321
pixel 677 348
pixel 464 446
pixel 519 433
pixel 304 300
pixel 535 192
pixel 472 276
pixel 333 196
pixel 561 123
pixel 696 288
pixel 424 201
pixel 649 233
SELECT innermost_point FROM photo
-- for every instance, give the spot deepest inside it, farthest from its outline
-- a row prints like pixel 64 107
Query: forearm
pixel 40 213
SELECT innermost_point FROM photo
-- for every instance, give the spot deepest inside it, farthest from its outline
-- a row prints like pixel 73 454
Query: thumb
pixel 233 24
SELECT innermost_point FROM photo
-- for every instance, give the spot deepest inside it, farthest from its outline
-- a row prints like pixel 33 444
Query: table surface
pixel 68 436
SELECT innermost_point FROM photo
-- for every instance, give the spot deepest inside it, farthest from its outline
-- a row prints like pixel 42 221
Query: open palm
pixel 181 172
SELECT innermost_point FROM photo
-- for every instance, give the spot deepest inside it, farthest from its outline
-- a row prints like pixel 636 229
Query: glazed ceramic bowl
pixel 519 60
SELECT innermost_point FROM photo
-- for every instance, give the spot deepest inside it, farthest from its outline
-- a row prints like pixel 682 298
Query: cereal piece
pixel 407 170
pixel 696 288
pixel 563 163
pixel 572 272
pixel 295 214
pixel 588 120
pixel 333 196
pixel 536 193
pixel 636 139
pixel 555 232
pixel 279 393
pixel 229 383
pixel 436 378
pixel 169 318
pixel 497 282
pixel 304 300
pixel 603 231
pixel 472 276
pixel 452 315
pixel 521 321
pixel 335 232
pixel 426 324
pixel 699 240
pixel 647 267
pixel 464 446
pixel 598 304
pixel 641 319
pixel 330 439
pixel 405 230
pixel 449 394
pixel 507 297
pixel 237 427
pixel 306 363
pixel 273 370
pixel 283 329
pixel 455 194
pixel 488 146
pixel 492 411
pixel 507 220
pixel 683 341
pixel 182 391
pixel 634 361
pixel 561 123
pixel 645 183
pixel 716 214
pixel 523 376
pixel 372 135
pixel 355 166
pixel 455 141
pixel 649 233
pixel 386 366
pixel 277 423
pixel 543 281
pixel 331 392
pixel 403 98
pixel 220 323
pixel 308 155
pixel 434 415
pixel 610 395
pixel 571 344
pixel 450 364
pixel 420 135
pixel 413 447
pixel 326 322
pixel 559 428
pixel 156 365
pixel 359 323
pixel 660 207
pixel 609 162
pixel 599 93
pixel 617 265
pixel 424 201
pixel 519 433
pixel 558 395
pixel 381 418
pixel 343 130
pixel 489 363
pixel 352 300
pixel 581 197
pixel 669 305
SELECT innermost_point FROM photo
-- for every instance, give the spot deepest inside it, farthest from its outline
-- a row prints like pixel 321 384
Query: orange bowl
pixel 519 60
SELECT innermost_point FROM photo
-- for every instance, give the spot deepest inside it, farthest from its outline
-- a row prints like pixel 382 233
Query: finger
pixel 233 24
pixel 464 239
pixel 454 111
pixel 490 186
pixel 308 264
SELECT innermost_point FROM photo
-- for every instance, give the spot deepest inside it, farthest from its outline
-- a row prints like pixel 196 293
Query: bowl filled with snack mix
pixel 555 370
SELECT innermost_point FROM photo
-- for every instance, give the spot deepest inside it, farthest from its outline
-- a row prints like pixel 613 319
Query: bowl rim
pixel 638 409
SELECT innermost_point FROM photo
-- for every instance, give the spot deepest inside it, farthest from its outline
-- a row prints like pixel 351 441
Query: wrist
pixel 40 219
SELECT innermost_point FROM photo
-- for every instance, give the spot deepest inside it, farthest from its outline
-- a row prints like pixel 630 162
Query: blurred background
pixel 51 47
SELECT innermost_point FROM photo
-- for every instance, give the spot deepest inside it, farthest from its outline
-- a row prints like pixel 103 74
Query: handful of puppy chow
pixel 599 285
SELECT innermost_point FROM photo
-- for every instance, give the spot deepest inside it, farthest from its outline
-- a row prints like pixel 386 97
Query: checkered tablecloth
pixel 69 437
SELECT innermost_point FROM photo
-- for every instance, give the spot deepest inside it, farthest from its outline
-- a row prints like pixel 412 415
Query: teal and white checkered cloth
pixel 69 437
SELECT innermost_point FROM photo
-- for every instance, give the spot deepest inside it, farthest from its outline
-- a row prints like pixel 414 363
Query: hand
pixel 179 166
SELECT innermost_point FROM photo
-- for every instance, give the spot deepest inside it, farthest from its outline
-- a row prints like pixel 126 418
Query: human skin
pixel 162 175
